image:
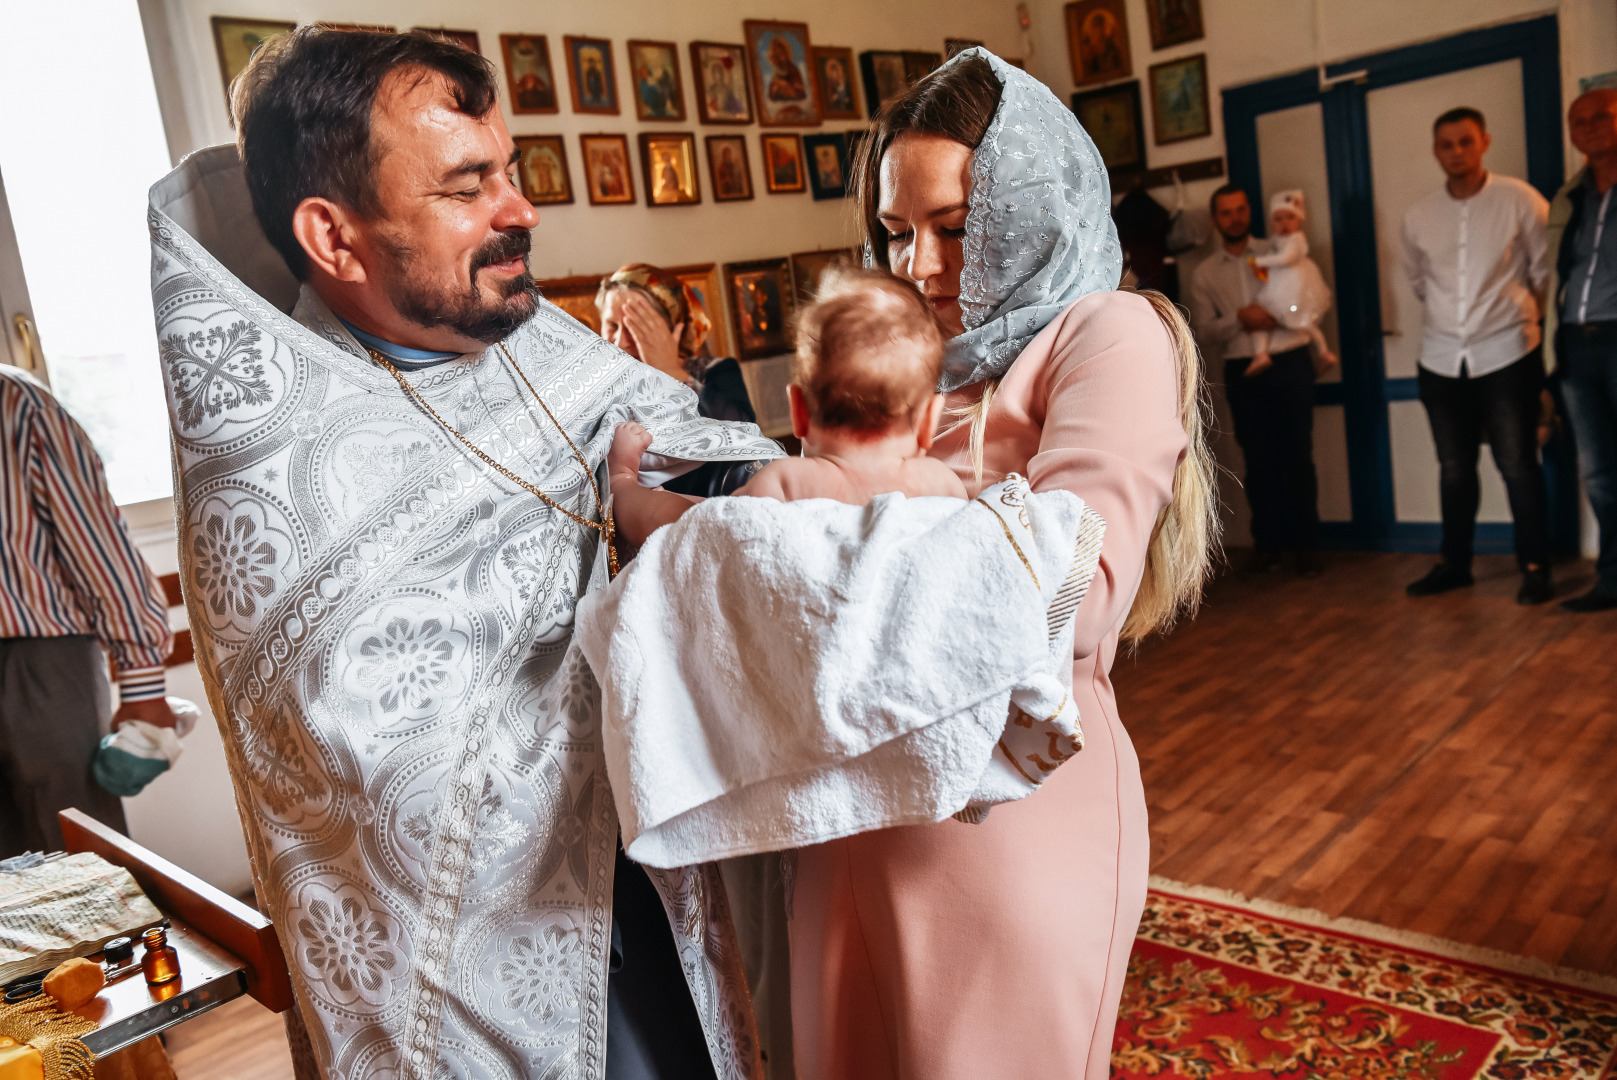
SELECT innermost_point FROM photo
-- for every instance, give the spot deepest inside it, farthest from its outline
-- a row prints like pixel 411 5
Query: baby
pixel 1294 291
pixel 864 402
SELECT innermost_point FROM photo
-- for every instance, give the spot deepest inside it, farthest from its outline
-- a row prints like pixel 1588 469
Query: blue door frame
pixel 1365 389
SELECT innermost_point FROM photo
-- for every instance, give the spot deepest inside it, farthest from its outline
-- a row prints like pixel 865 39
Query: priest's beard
pixel 469 313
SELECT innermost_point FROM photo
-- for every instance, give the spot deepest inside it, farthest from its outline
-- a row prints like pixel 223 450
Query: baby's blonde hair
pixel 869 351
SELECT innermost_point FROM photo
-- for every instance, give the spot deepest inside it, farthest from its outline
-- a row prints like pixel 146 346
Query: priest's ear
pixel 327 235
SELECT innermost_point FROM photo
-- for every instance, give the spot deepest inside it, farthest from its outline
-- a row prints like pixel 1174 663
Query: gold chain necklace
pixel 606 526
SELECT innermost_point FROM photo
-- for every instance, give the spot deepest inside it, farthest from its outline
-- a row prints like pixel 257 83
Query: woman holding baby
pixel 999 949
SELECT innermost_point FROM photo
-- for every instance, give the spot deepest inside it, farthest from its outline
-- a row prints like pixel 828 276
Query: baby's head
pixel 1286 212
pixel 869 355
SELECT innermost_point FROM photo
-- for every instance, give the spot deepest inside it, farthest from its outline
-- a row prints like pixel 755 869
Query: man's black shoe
pixel 1593 600
pixel 1535 587
pixel 1442 579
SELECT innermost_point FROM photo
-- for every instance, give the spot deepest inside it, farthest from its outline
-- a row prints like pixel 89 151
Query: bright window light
pixel 77 191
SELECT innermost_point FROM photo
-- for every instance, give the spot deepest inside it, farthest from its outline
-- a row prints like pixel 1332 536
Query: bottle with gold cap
pixel 160 962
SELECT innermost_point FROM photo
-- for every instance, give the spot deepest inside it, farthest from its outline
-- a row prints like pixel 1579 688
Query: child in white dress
pixel 1293 291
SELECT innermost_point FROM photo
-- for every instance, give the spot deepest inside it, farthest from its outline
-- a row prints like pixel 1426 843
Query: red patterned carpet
pixel 1218 989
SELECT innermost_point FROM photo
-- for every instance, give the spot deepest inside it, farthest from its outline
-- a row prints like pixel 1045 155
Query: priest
pixel 389 458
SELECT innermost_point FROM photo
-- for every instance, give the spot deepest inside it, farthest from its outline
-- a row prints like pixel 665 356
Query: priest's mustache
pixel 502 248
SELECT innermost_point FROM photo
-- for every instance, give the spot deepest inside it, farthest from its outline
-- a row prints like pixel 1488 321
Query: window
pixel 81 140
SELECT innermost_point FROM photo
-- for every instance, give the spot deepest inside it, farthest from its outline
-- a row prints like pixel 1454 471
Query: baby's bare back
pixel 856 482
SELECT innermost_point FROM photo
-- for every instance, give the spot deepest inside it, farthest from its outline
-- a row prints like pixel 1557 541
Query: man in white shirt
pixel 1273 409
pixel 1474 251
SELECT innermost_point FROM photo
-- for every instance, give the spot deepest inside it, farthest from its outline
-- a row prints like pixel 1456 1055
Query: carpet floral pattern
pixel 1215 991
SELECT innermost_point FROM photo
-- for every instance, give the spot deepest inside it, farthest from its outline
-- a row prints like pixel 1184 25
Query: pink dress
pixel 948 951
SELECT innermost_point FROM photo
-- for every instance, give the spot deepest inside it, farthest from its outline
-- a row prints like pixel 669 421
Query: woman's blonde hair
pixel 1185 540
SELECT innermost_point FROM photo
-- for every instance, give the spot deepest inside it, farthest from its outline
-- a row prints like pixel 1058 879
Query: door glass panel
pixel 1404 171
pixel 1291 154
pixel 78 204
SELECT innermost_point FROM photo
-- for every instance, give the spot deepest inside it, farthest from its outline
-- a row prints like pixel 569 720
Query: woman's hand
pixel 655 343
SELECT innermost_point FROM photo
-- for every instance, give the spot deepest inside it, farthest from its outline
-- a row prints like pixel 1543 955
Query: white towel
pixel 781 674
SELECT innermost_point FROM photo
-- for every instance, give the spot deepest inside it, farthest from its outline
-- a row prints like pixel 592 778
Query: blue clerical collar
pixel 403 357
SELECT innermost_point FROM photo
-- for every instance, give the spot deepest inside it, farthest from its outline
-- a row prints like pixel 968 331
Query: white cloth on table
pixel 1296 293
pixel 778 674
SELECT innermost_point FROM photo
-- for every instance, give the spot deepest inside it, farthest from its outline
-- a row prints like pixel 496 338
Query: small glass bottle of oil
pixel 160 962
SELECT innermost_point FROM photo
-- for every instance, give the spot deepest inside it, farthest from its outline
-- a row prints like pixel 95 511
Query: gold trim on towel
pixel 1014 545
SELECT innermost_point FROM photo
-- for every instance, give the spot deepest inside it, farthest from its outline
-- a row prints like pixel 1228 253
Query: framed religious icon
pixel 235 40
pixel 918 65
pixel 576 296
pixel 809 266
pixel 760 295
pixel 833 74
pixel 1098 41
pixel 1179 100
pixel 827 160
pixel 1113 118
pixel 1174 22
pixel 542 168
pixel 954 46
pixel 783 163
pixel 591 76
pixel 884 78
pixel 466 39
pixel 782 64
pixel 728 168
pixel 659 94
pixel 528 74
pixel 704 280
pixel 668 166
pixel 607 174
pixel 723 95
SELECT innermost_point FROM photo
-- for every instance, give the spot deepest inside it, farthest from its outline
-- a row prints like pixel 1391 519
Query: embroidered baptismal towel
pixel 781 674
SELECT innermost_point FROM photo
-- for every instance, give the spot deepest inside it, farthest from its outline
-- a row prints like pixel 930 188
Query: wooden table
pixel 226 948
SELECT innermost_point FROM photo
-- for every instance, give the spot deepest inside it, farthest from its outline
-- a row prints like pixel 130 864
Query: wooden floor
pixel 1446 765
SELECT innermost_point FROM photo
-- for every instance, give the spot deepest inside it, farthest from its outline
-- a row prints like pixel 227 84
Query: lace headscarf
pixel 676 300
pixel 1039 232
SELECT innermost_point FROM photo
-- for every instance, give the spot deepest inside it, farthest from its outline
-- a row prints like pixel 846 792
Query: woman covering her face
pixel 999 949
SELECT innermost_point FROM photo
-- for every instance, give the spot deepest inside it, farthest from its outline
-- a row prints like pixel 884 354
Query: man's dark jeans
pixel 1274 423
pixel 1504 404
pixel 1589 362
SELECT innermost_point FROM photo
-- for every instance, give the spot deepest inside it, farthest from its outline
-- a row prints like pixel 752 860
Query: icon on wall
pixel 1179 100
pixel 827 165
pixel 606 169
pixel 235 40
pixel 728 168
pixel 668 166
pixel 1174 22
pixel 659 93
pixel 760 306
pixel 1113 118
pixel 720 73
pixel 542 168
pixel 1098 41
pixel 528 74
pixel 590 75
pixel 833 73
pixel 783 73
pixel 783 163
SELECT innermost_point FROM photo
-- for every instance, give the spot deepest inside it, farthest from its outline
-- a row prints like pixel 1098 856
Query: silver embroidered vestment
pixel 383 624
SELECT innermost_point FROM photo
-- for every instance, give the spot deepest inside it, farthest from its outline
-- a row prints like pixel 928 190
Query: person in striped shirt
pixel 71 584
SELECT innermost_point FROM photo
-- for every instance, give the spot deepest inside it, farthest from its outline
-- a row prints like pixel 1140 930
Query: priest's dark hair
pixel 303 107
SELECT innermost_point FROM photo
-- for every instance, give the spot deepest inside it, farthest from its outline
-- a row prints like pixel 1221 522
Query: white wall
pixel 583 239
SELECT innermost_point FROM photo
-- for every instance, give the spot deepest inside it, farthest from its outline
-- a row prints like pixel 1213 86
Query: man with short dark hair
pixel 1581 324
pixel 1273 409
pixel 1474 253
pixel 389 452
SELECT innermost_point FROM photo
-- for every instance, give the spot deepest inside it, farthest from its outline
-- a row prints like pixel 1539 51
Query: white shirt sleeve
pixel 1414 256
pixel 1535 215
pixel 1288 251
